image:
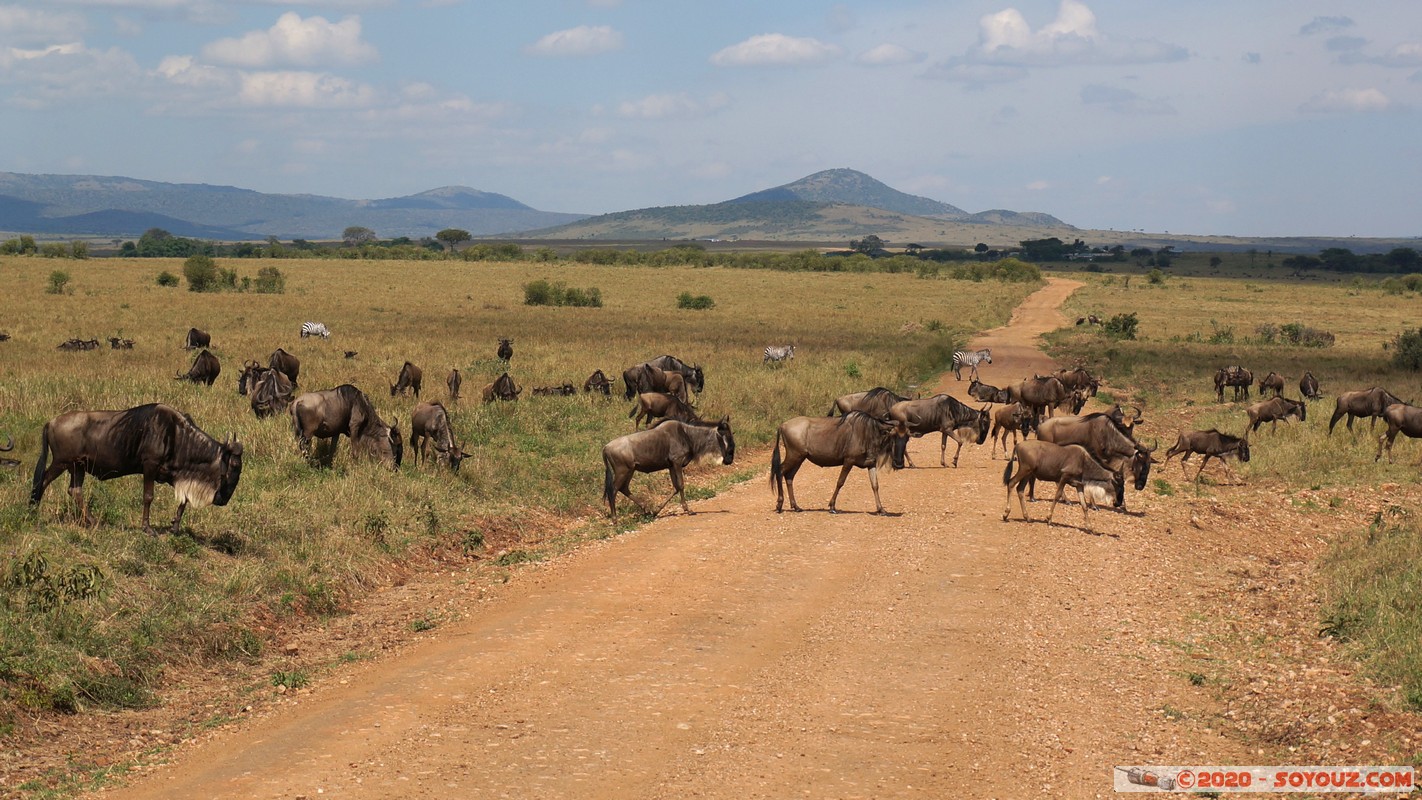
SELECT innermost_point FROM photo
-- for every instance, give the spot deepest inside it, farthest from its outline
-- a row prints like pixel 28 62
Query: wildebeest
pixel 205 369
pixel 454 381
pixel 1399 417
pixel 564 390
pixel 155 441
pixel 1039 393
pixel 1275 409
pixel 1012 418
pixel 988 393
pixel 692 373
pixel 1210 444
pixel 345 410
pixel 671 446
pixel 1106 440
pixel 429 424
pixel 853 440
pixel 1078 379
pixel 598 382
pixel 1064 465
pixel 270 390
pixel 9 445
pixel 946 415
pixel 115 343
pixel 309 329
pixel 196 339
pixel 286 362
pixel 1308 387
pixel 1370 403
pixel 4 337
pixel 970 359
pixel 503 388
pixel 660 405
pixel 78 344
pixel 505 351
pixel 876 402
pixel 351 353
pixel 410 377
pixel 648 378
pixel 778 354
pixel 1237 377
pixel 1273 381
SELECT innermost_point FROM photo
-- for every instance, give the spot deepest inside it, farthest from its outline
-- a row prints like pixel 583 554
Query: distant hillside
pixel 125 207
pixel 850 187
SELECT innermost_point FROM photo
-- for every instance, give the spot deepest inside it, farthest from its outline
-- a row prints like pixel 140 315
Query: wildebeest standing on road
pixel 671 446
pixel 410 377
pixel 1106 440
pixel 429 422
pixel 346 410
pixel 946 415
pixel 1210 444
pixel 154 440
pixel 1065 465
pixel 205 369
pixel 1370 403
pixel 1013 418
pixel 853 440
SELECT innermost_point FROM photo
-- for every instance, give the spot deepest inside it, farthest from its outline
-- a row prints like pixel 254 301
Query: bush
pixel 543 293
pixel 270 281
pixel 58 282
pixel 1407 350
pixel 1122 326
pixel 166 278
pixel 1156 277
pixel 201 272
pixel 700 302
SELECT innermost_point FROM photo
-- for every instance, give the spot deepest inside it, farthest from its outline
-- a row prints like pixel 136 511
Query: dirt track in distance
pixel 740 653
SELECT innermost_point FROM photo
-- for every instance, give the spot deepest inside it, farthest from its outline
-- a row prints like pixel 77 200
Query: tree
pixel 868 245
pixel 357 235
pixel 201 272
pixel 453 237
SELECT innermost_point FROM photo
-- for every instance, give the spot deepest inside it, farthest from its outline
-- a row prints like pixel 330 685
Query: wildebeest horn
pixel 10 445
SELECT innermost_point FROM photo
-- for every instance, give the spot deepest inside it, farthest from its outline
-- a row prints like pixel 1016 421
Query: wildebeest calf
pixel 1210 444
pixel 1013 418
pixel 410 377
pixel 653 406
pixel 1275 409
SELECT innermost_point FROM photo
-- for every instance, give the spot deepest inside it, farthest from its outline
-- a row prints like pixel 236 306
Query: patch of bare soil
pixel 740 653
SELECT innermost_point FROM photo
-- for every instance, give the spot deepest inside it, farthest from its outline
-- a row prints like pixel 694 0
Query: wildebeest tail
pixel 776 472
pixel 1007 470
pixel 37 489
pixel 609 491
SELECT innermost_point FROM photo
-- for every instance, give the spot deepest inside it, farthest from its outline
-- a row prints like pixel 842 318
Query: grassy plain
pixel 94 615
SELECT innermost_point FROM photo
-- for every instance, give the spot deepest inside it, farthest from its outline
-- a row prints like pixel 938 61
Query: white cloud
pixel 1407 55
pixel 1123 101
pixel 294 41
pixel 584 40
pixel 293 89
pixel 1038 186
pixel 1007 39
pixel 675 104
pixel 775 49
pixel 1344 101
pixel 889 54
pixel 186 71
pixel 20 25
pixel 62 72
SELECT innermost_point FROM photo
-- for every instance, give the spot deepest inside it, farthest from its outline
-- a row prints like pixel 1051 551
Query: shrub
pixel 1407 350
pixel 543 293
pixel 270 281
pixel 166 278
pixel 1122 326
pixel 58 282
pixel 54 250
pixel 1156 277
pixel 201 272
pixel 700 302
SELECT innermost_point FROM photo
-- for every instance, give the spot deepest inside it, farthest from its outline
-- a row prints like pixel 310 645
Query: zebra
pixel 315 329
pixel 780 353
pixel 970 359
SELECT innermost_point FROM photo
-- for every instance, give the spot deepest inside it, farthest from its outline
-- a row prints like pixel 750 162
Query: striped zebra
pixel 779 353
pixel 315 329
pixel 970 359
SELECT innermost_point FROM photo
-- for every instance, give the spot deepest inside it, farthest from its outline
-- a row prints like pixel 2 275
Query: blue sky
pixel 1267 117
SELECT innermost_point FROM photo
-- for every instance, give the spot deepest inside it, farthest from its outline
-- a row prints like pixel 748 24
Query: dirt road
pixel 738 653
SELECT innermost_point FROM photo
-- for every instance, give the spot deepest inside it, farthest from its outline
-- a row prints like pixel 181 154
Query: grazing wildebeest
pixel 653 406
pixel 876 402
pixel 1237 377
pixel 196 339
pixel 286 362
pixel 410 377
pixel 204 369
pixel 970 359
pixel 505 351
pixel 345 410
pixel 1039 393
pixel 503 388
pixel 648 378
pixel 1308 387
pixel 271 391
pixel 1064 465
pixel 853 440
pixel 309 329
pixel 946 415
pixel 598 382
pixel 1274 409
pixel 115 343
pixel 1012 418
pixel 351 353
pixel 9 445
pixel 1210 444
pixel 1106 440
pixel 778 354
pixel 429 424
pixel 671 446
pixel 156 441
pixel 565 390
pixel 1399 417
pixel 1370 403
pixel 1078 379
pixel 987 393
pixel 454 381
pixel 1273 381
pixel 78 344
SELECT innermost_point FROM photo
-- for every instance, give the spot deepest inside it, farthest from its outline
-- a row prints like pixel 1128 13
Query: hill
pixel 125 207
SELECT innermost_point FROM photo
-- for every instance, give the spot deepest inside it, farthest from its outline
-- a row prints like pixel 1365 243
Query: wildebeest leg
pixel 874 484
pixel 844 473
pixel 792 466
pixel 147 503
pixel 678 483
pixel 1061 487
pixel 178 520
pixel 76 491
pixel 1202 466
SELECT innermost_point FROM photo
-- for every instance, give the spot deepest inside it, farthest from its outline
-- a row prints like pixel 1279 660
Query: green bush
pixel 1407 350
pixel 58 282
pixel 270 281
pixel 1122 326
pixel 201 272
pixel 166 278
pixel 700 302
pixel 543 293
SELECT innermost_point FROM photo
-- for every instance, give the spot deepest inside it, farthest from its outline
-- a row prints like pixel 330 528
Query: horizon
pixel 1285 119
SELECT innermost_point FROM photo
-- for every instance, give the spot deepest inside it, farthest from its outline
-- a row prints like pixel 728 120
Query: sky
pixel 1257 118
